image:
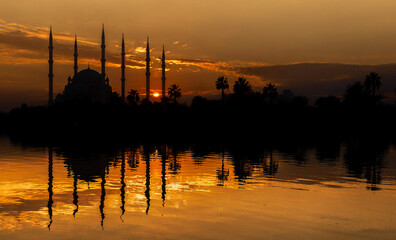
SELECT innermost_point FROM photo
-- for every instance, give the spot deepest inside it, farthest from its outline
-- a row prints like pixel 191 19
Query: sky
pixel 314 47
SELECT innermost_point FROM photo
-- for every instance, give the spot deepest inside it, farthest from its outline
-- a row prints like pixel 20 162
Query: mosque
pixel 91 85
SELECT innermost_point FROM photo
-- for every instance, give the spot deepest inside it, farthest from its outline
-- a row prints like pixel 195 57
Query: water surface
pixel 335 190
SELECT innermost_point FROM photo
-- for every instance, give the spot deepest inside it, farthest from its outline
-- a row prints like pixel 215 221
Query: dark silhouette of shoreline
pixel 243 113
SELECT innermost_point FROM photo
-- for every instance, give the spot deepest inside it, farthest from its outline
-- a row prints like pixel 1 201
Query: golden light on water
pixel 148 190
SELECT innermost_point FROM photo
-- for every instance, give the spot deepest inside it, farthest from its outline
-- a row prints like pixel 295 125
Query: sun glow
pixel 156 94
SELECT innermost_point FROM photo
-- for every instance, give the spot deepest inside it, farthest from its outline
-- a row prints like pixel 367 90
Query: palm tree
pixel 221 84
pixel 372 83
pixel 270 92
pixel 242 86
pixel 133 97
pixel 174 92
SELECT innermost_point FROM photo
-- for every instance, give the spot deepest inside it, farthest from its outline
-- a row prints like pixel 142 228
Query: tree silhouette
pixel 221 84
pixel 115 98
pixel 174 92
pixel 133 97
pixel 270 92
pixel 354 94
pixel 329 104
pixel 372 83
pixel 242 86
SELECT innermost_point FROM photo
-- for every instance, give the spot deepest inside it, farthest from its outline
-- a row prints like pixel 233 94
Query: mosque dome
pixel 88 76
pixel 88 84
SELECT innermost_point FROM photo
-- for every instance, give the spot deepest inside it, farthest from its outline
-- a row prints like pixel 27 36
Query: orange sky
pixel 203 39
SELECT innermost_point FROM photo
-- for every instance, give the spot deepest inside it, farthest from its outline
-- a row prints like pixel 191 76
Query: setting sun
pixel 156 95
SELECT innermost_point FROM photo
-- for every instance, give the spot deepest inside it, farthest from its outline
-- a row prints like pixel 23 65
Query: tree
pixel 372 84
pixel 300 101
pixel 133 97
pixel 221 84
pixel 242 86
pixel 115 98
pixel 354 92
pixel 270 92
pixel 329 104
pixel 199 103
pixel 360 95
pixel 174 92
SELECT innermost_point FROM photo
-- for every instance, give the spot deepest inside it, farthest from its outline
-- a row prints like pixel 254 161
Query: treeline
pixel 244 112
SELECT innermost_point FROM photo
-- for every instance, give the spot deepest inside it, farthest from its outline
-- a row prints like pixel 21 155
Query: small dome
pixel 88 75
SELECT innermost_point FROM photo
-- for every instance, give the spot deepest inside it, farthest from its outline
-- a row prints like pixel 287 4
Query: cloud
pixel 23 48
pixel 140 50
pixel 21 44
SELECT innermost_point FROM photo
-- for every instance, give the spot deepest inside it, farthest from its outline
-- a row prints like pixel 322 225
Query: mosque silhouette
pixel 91 85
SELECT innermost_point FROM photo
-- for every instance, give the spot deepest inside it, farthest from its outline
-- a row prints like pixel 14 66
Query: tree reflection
pixel 270 166
pixel 133 159
pixel 222 174
pixel 365 158
pixel 328 150
pixel 174 164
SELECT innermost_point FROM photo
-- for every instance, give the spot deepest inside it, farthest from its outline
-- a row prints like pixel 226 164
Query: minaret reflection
pixel 123 185
pixel 163 174
pixel 147 192
pixel 50 185
pixel 102 198
pixel 75 195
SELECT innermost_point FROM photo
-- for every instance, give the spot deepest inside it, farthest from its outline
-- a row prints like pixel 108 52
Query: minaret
pixel 163 71
pixel 103 60
pixel 51 73
pixel 75 56
pixel 123 69
pixel 148 70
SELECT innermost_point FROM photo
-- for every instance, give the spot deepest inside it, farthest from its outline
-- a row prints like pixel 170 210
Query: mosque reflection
pixel 359 157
